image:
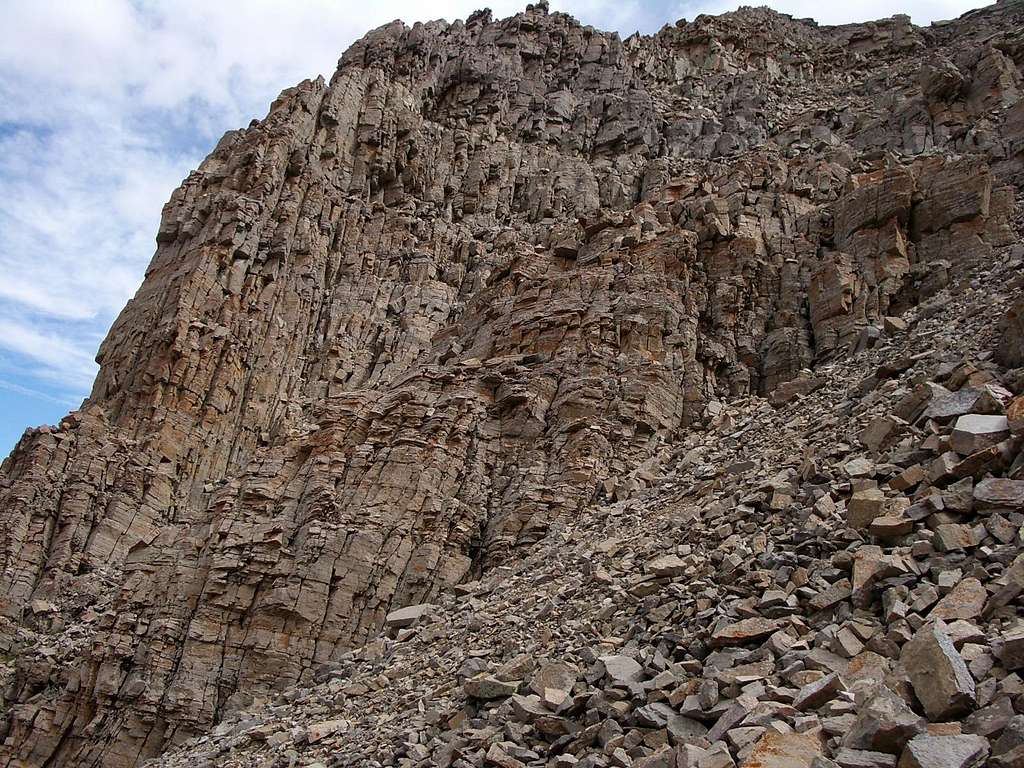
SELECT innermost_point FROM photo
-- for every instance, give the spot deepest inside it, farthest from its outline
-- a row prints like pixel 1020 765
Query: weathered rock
pixel 953 537
pixel 743 631
pixel 975 432
pixel 819 692
pixel 883 432
pixel 885 724
pixel 684 730
pixel 493 304
pixel 322 730
pixel 1012 585
pixel 857 758
pixel 1015 415
pixel 938 673
pixel 789 750
pixel 869 567
pixel 622 669
pixel 666 565
pixel 890 526
pixel 997 493
pixel 940 751
pixel 1009 649
pixel 553 675
pixel 864 507
pixel 487 687
pixel 965 601
pixel 963 402
pixel 405 617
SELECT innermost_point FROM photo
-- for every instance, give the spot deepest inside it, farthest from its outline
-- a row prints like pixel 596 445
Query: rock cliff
pixel 475 291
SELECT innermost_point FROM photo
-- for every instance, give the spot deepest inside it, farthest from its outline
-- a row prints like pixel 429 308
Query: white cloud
pixel 51 351
pixel 921 12
pixel 108 104
pixel 64 403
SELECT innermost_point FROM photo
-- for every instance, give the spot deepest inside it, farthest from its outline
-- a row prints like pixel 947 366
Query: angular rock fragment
pixel 666 565
pixel 406 617
pixel 553 675
pixel 864 507
pixel 883 432
pixel 944 751
pixel 789 750
pixel 975 432
pixel 884 723
pixel 954 537
pixel 685 730
pixel 1010 349
pixel 937 672
pixel 742 632
pixel 997 493
pixel 622 669
pixel 487 687
pixel 1009 649
pixel 969 400
pixel 819 692
pixel 965 601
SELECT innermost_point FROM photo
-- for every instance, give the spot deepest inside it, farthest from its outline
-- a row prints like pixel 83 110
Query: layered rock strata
pixel 484 279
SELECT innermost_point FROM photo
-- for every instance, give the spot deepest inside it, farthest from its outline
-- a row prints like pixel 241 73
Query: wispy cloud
pixel 52 352
pixel 10 386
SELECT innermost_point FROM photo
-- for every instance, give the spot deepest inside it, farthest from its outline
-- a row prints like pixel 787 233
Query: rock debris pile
pixel 526 397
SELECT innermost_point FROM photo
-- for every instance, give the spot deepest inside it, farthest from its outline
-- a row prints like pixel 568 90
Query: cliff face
pixel 484 279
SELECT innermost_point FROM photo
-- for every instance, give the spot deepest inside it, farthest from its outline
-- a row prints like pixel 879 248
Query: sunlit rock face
pixel 482 280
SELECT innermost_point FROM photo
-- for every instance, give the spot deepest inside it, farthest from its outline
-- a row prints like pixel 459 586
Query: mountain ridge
pixel 474 289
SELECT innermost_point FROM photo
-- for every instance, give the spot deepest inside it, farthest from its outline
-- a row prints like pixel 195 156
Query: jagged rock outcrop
pixel 486 278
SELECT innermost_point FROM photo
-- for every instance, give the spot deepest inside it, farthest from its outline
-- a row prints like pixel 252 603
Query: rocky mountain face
pixel 526 396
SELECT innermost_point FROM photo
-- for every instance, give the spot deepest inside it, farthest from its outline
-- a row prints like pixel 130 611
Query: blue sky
pixel 105 105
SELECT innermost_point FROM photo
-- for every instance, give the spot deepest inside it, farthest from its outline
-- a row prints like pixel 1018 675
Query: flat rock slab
pixel 486 688
pixel 411 614
pixel 966 601
pixel 961 403
pixel 975 432
pixel 743 631
pixel 622 669
pixel 863 758
pixel 666 565
pixel 956 751
pixel 999 493
pixel 789 750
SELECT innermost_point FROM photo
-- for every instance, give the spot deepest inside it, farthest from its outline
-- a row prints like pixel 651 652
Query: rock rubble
pixel 529 397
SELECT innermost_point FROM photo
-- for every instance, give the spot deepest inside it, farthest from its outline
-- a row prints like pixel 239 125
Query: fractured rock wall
pixel 487 275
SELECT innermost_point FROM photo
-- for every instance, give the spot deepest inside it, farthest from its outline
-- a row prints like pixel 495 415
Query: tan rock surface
pixel 488 280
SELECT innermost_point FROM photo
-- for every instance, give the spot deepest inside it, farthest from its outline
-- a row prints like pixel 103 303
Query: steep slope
pixel 485 279
pixel 763 586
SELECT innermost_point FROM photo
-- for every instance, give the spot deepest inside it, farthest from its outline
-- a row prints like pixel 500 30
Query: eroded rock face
pixel 484 278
